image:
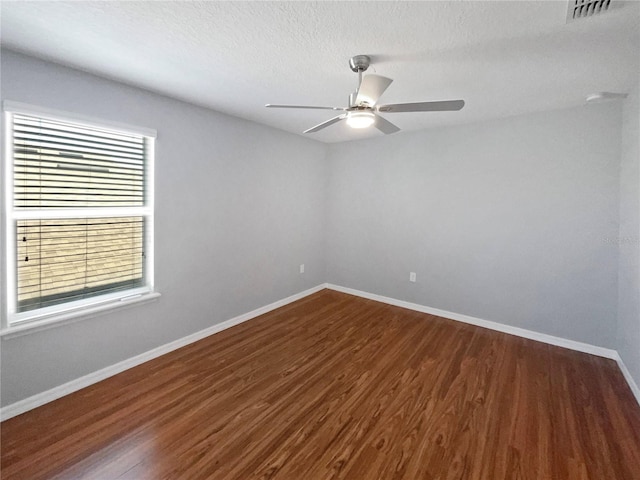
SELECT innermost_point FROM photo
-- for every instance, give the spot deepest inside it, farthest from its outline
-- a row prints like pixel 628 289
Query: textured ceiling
pixel 503 58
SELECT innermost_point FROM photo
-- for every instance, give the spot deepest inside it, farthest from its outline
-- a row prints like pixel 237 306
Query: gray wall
pixel 238 207
pixel 629 240
pixel 514 220
pixel 508 220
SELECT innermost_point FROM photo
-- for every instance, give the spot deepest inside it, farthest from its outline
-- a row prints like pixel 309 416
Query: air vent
pixel 586 8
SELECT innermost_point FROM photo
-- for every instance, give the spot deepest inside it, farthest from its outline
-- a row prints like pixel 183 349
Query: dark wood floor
pixel 335 386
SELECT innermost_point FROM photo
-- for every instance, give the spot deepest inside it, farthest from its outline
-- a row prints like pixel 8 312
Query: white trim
pixel 97 212
pixel 27 109
pixel 74 385
pixel 500 327
pixel 98 306
pixel 627 376
pixel 9 226
pixel 150 202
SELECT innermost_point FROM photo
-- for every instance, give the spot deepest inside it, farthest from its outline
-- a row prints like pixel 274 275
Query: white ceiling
pixel 502 57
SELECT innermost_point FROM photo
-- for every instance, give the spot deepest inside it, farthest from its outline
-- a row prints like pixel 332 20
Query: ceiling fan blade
pixel 371 89
pixel 326 124
pixel 443 106
pixel 270 105
pixel 385 126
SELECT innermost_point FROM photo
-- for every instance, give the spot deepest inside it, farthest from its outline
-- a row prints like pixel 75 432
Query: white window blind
pixel 61 165
pixel 81 215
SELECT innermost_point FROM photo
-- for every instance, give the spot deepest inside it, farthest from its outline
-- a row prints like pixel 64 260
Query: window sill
pixel 65 318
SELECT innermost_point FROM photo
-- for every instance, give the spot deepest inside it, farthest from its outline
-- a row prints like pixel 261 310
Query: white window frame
pixel 12 320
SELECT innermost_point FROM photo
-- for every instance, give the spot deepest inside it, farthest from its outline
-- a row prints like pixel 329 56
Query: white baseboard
pixel 500 327
pixel 74 385
pixel 627 376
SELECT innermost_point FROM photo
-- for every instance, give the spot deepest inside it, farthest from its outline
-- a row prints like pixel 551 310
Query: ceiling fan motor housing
pixel 359 63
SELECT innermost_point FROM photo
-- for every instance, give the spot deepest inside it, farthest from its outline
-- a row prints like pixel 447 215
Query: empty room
pixel 320 240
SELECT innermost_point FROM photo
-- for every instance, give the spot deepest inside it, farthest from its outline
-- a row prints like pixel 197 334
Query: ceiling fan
pixel 363 109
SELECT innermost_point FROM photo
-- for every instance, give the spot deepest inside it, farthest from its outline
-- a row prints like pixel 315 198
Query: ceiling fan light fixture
pixel 360 119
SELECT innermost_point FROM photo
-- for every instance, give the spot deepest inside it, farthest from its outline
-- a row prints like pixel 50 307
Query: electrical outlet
pixel 302 268
pixel 412 277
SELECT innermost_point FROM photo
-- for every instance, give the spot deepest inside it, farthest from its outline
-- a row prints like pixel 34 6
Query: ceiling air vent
pixel 586 8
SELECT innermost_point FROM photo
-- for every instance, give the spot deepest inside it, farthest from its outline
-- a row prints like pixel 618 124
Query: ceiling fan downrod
pixel 358 64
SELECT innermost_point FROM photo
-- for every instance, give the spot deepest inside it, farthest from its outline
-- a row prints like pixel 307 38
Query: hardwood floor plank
pixel 338 387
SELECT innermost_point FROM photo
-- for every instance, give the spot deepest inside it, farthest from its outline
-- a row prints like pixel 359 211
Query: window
pixel 79 219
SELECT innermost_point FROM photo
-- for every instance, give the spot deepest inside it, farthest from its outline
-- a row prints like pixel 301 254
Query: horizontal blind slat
pixel 55 155
pixel 78 278
pixel 82 259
